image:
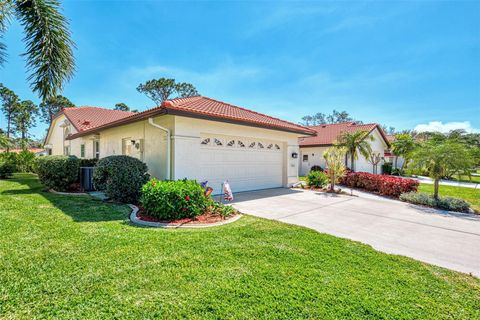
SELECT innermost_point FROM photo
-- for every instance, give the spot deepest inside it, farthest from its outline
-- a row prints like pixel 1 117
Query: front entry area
pixel 247 163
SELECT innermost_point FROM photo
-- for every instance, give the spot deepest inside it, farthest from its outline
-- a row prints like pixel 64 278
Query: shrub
pixel 57 172
pixel 120 177
pixel 25 161
pixel 387 168
pixel 222 210
pixel 88 162
pixel 174 199
pixel 316 168
pixel 6 169
pixel 446 203
pixel 385 185
pixel 317 179
pixel 396 172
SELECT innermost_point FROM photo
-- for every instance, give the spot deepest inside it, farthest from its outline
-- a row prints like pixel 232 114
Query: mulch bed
pixel 205 218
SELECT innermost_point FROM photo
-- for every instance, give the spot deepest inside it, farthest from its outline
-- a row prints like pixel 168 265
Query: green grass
pixel 468 194
pixel 465 178
pixel 76 258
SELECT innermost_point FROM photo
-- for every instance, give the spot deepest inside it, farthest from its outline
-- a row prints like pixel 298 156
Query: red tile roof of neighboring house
pixel 206 108
pixel 34 150
pixel 86 118
pixel 327 134
pixel 390 137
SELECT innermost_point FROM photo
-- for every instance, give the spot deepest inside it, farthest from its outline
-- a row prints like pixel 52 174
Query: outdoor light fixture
pixel 294 155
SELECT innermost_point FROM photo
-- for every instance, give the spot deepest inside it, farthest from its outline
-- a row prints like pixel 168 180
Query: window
pixel 231 143
pixel 305 157
pixel 260 145
pixel 241 144
pixel 252 145
pixel 270 146
pixel 66 150
pixel 205 141
pixel 82 151
pixel 96 149
pixel 277 147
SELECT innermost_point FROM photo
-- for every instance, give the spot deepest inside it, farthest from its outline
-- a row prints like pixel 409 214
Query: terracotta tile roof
pixel 222 110
pixel 86 118
pixel 34 150
pixel 390 137
pixel 327 134
pixel 207 108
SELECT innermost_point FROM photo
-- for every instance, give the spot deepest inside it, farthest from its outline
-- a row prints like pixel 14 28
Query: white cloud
pixel 438 126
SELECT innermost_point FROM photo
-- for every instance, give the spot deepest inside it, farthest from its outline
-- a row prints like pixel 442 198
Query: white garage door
pixel 248 164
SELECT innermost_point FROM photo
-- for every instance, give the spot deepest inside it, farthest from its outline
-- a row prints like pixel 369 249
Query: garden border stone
pixel 135 220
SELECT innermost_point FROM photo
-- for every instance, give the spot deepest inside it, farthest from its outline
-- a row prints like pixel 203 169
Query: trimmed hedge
pixel 446 203
pixel 24 161
pixel 88 162
pixel 120 177
pixel 58 172
pixel 6 169
pixel 168 200
pixel 317 179
pixel 385 185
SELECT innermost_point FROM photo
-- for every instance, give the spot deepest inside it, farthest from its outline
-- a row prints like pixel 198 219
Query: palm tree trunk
pixel 396 162
pixel 352 158
pixel 8 130
pixel 435 188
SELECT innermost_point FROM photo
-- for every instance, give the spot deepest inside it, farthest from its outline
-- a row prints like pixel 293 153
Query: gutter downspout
pixel 167 131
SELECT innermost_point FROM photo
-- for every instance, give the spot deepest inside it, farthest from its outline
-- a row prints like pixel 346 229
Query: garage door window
pixel 234 143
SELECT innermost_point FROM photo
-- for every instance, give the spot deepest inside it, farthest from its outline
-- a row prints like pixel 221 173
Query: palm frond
pixel 5 17
pixel 49 48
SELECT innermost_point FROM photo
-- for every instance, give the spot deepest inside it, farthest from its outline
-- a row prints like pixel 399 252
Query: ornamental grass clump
pixel 317 179
pixel 170 200
pixel 445 203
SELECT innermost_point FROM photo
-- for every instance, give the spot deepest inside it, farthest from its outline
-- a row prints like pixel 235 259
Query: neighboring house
pixel 313 148
pixel 397 161
pixel 37 151
pixel 196 138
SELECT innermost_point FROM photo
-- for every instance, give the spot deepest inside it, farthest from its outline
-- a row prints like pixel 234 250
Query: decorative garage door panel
pixel 248 164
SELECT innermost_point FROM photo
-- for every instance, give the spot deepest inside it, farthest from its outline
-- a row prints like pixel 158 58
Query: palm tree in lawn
pixel 49 48
pixel 355 142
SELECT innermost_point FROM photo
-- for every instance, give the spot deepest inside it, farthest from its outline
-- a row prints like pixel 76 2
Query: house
pixel 313 147
pixel 396 161
pixel 196 138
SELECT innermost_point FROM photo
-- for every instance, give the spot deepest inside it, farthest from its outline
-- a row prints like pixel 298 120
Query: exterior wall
pixel 315 158
pixel 187 138
pixel 111 143
pixel 55 139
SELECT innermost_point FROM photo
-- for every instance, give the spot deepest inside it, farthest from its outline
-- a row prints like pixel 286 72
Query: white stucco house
pixel 196 138
pixel 313 147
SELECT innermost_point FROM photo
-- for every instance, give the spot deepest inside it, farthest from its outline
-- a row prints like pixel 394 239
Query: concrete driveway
pixel 437 237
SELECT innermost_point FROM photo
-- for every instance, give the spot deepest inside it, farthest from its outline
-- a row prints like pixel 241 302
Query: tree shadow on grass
pixel 79 208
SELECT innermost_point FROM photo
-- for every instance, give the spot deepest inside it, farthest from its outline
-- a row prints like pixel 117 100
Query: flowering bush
pixel 385 185
pixel 174 199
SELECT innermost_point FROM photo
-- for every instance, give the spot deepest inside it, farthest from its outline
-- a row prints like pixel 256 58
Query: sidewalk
pixel 447 182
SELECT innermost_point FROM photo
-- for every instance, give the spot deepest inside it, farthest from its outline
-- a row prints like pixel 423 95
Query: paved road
pixel 437 237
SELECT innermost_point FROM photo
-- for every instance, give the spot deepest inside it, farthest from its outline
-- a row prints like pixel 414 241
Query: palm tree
pixel 49 48
pixel 403 146
pixel 355 142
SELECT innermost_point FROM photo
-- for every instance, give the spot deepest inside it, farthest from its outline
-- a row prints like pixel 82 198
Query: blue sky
pixel 397 63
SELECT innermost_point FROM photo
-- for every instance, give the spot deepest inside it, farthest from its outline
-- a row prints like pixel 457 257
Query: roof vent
pixel 86 123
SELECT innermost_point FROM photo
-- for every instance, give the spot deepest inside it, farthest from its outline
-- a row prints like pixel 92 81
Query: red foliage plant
pixel 382 184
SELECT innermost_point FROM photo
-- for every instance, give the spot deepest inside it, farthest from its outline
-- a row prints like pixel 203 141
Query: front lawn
pixel 78 258
pixel 465 178
pixel 468 194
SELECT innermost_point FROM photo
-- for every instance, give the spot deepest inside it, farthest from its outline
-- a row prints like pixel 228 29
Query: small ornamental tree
pixel 335 167
pixel 374 159
pixel 441 158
